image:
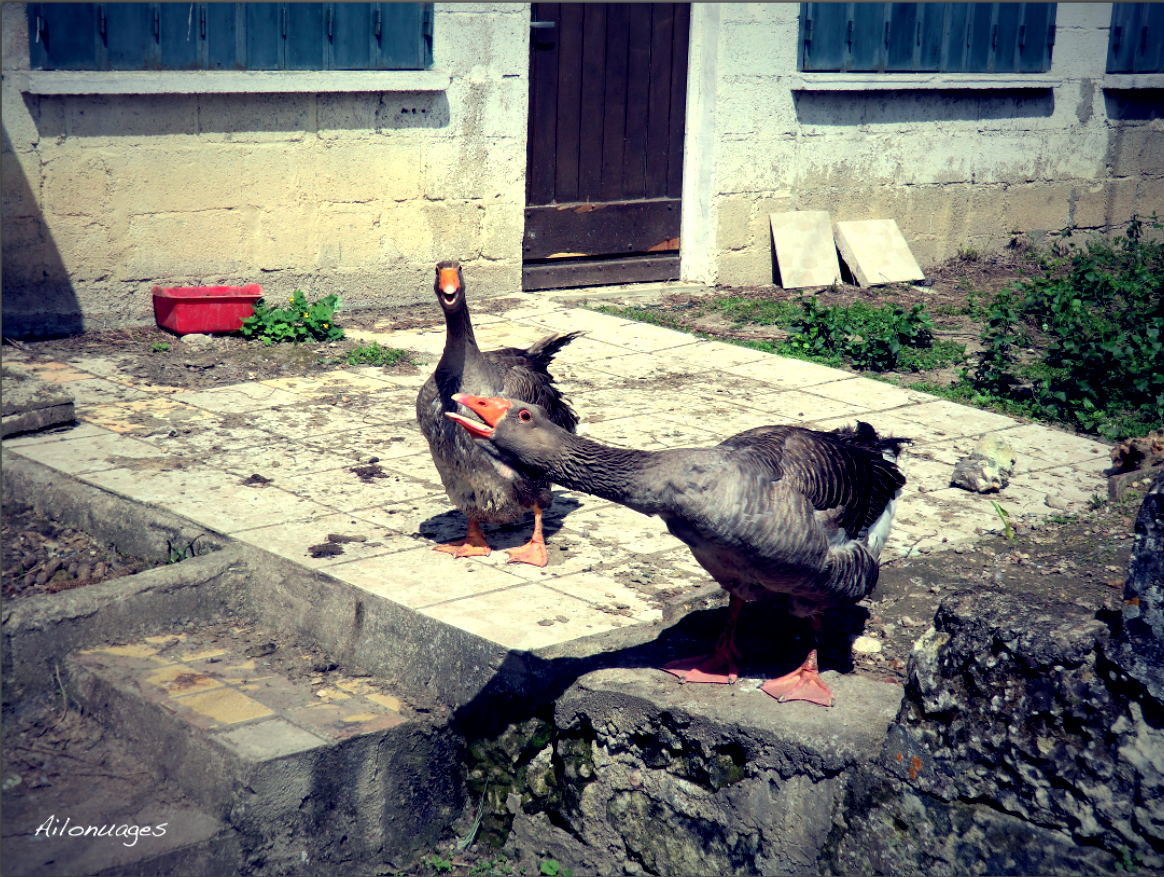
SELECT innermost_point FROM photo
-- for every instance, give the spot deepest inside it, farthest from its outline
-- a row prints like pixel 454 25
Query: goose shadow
pixel 772 641
pixel 452 524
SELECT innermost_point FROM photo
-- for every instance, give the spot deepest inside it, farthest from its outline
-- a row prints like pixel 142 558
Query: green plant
pixel 993 374
pixel 1096 502
pixel 968 254
pixel 374 354
pixel 872 338
pixel 159 347
pixel 1004 516
pixel 177 555
pixel 551 868
pixel 299 321
pixel 1129 861
pixel 440 865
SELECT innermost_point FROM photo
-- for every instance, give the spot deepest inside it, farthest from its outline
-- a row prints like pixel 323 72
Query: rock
pixel 198 339
pixel 31 404
pixel 1055 502
pixel 1139 650
pixel 866 645
pixel 1139 453
pixel 1018 749
pixel 988 468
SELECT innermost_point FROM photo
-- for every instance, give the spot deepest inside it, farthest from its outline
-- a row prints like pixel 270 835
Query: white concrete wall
pixel 955 169
pixel 359 193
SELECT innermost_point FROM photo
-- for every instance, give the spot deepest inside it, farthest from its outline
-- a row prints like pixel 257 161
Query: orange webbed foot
pixel 473 545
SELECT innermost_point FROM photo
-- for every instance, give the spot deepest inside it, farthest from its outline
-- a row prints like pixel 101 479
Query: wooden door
pixel 608 89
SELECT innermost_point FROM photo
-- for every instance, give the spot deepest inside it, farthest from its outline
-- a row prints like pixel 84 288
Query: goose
pixel 775 509
pixel 476 482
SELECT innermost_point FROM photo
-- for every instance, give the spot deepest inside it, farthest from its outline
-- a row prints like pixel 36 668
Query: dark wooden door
pixel 608 89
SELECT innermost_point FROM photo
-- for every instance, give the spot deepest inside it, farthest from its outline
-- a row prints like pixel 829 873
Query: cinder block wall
pixel 105 196
pixel 955 169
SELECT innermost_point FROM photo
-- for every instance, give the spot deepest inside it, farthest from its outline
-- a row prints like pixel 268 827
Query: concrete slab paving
pixel 876 252
pixel 805 250
pixel 633 385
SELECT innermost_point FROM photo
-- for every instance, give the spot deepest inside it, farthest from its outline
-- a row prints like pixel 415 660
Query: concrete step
pixel 314 769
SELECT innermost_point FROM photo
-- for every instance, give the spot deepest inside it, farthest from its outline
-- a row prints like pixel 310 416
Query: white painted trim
pixel 899 81
pixel 697 219
pixel 1129 81
pixel 227 81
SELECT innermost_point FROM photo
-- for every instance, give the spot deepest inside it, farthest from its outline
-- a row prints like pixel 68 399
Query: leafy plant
pixel 374 354
pixel 177 555
pixel 872 338
pixel 299 321
pixel 441 866
pixel 1004 516
pixel 159 347
pixel 551 868
pixel 1096 502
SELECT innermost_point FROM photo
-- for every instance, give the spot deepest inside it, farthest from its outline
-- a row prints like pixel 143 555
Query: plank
pixel 591 104
pixel 637 100
pixel 659 100
pixel 607 272
pixel 599 229
pixel 569 100
pixel 678 115
pixel 614 113
pixel 543 118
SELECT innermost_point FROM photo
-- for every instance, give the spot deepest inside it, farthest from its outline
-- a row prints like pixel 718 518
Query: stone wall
pixel 356 192
pixel 957 168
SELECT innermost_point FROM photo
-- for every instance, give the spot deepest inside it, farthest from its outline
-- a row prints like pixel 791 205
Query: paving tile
pixel 99 391
pixel 513 618
pixel 925 476
pixel 1056 447
pixel 870 394
pixel 428 340
pixel 893 423
pixel 65 432
pixel 1065 482
pixel 280 459
pixel 804 406
pixel 645 338
pixel 337 721
pixel 805 250
pixel 343 490
pixel 876 252
pixel 273 738
pixel 329 384
pixel 306 421
pixel 635 533
pixel 782 373
pixel 394 440
pixel 105 450
pixel 142 415
pixel 596 325
pixel 224 706
pixel 955 419
pixel 648 432
pixel 422 577
pixel 55 372
pixel 179 680
pixel 607 594
pixel 713 355
pixel 506 333
pixel 413 381
pixel 248 397
pixel 292 539
pixel 574 377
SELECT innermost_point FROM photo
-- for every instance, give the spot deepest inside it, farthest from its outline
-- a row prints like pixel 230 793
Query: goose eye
pixel 525 415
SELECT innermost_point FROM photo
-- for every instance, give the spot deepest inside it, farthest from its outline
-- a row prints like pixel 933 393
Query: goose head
pixel 520 434
pixel 450 286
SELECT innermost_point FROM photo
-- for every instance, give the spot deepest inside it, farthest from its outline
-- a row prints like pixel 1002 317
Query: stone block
pixel 15 38
pixel 456 229
pixel 1103 204
pixel 342 116
pixel 164 244
pixel 1134 150
pixel 751 48
pixel 348 236
pixel 20 172
pixel 78 181
pixel 21 131
pixel 748 267
pixel 85 246
pixel 31 404
pixel 372 171
pixel 255 118
pixel 1038 207
pixel 746 164
pixel 121 120
pixel 501 232
pixel 286 239
pixel 732 220
pixel 463 169
pixel 23 253
pixel 876 252
pixel 805 249
pixel 407 235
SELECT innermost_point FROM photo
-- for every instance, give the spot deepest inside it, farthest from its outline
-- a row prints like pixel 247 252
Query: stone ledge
pixel 225 82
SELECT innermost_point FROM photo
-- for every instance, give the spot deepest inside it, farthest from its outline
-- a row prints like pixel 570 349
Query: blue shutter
pixel 230 36
pixel 927 37
pixel 1136 38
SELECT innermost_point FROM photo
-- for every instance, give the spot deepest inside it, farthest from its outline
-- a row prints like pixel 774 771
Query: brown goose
pixel 476 482
pixel 777 508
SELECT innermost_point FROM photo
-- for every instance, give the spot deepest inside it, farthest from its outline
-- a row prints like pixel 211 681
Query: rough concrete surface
pixel 31 404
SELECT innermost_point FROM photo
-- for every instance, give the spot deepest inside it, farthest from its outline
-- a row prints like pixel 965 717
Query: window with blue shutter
pixel 926 37
pixel 230 36
pixel 1135 43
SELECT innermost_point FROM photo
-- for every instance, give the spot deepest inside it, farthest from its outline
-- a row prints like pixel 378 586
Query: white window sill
pixel 227 81
pixel 1128 81
pixel 902 81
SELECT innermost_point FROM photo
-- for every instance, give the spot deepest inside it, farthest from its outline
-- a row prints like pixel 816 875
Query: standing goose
pixel 776 509
pixel 477 484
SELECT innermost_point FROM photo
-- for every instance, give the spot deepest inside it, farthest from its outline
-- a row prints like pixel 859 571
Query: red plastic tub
pixel 189 309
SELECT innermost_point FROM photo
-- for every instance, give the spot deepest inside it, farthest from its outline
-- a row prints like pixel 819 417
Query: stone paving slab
pixel 805 249
pixel 633 385
pixel 876 252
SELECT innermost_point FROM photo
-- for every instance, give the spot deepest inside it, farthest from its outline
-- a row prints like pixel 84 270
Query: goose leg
pixel 473 545
pixel 803 683
pixel 534 551
pixel 720 665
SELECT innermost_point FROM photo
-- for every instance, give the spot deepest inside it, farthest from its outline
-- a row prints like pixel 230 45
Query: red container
pixel 190 309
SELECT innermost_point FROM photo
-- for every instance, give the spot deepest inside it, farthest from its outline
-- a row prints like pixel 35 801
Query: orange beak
pixel 489 410
pixel 449 282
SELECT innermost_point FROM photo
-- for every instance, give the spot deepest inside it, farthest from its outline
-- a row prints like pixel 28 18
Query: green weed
pixel 1004 516
pixel 299 321
pixel 374 354
pixel 551 868
pixel 159 347
pixel 441 866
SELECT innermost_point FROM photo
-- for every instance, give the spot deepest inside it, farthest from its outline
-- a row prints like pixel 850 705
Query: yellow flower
pixel 305 315
pixel 326 326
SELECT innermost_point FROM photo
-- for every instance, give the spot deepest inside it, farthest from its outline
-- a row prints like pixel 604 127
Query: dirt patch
pixel 43 556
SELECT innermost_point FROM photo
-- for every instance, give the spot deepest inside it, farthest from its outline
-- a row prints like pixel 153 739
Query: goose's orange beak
pixel 449 283
pixel 489 410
